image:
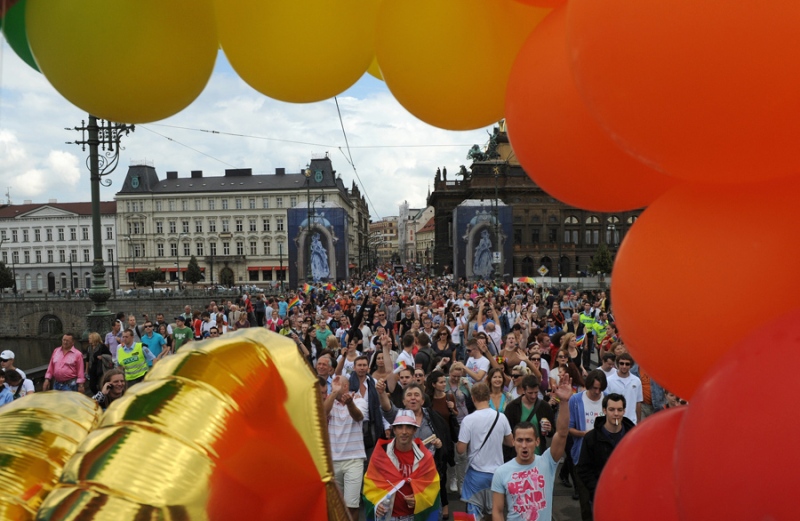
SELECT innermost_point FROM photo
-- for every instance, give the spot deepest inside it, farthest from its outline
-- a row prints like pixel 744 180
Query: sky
pixel 390 147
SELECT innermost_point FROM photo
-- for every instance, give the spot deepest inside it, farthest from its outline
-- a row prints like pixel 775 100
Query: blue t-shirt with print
pixel 528 488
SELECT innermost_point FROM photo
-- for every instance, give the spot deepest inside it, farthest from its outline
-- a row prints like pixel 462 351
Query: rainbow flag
pixel 294 302
pixel 380 278
pixel 382 476
pixel 399 366
pixel 579 340
pixel 357 293
pixel 330 288
pixel 308 288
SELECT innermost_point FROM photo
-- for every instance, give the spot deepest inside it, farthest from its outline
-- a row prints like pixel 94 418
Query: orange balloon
pixel 558 143
pixel 704 91
pixel 690 263
pixel 447 62
pixel 544 3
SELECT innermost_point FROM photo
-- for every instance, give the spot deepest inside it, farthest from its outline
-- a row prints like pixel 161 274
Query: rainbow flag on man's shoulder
pixel 382 477
pixel 294 302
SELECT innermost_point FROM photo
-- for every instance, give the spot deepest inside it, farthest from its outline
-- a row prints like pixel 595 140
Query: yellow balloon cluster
pixel 38 435
pixel 229 428
pixel 137 61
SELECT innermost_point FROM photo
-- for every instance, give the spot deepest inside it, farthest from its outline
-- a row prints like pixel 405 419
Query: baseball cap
pixel 405 418
pixel 7 355
pixel 180 318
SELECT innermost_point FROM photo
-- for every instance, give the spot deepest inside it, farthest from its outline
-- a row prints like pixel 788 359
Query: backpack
pixel 505 325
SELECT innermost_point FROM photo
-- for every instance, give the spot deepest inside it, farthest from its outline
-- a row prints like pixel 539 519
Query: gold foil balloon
pixel 229 428
pixel 38 434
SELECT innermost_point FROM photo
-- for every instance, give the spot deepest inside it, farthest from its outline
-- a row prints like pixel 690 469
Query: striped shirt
pixel 346 437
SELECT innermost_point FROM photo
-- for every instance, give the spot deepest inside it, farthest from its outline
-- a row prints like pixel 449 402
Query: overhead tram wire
pixel 187 146
pixel 350 158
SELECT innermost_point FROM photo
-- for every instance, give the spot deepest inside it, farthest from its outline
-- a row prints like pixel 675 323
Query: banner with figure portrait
pixel 482 240
pixel 318 248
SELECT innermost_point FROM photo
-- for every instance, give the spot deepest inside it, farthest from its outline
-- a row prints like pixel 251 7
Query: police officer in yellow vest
pixel 132 358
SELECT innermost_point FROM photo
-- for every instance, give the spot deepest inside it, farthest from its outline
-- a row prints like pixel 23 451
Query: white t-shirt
pixel 631 389
pixel 406 357
pixel 27 387
pixel 481 364
pixel 591 410
pixel 610 373
pixel 349 365
pixel 473 431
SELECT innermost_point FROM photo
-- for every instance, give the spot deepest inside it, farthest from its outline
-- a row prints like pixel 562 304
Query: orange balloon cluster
pixel 687 108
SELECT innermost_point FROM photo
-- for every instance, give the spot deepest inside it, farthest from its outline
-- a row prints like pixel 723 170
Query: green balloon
pixel 16 36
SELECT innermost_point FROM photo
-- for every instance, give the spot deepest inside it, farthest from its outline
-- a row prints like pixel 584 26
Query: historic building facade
pixel 234 224
pixel 546 232
pixel 49 246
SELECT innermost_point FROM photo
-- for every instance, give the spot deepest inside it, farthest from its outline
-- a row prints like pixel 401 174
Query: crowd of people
pixel 489 387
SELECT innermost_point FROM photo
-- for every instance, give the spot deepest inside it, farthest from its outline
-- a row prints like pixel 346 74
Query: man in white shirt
pixel 608 365
pixel 345 413
pixel 477 365
pixel 484 432
pixel 628 385
pixel 407 355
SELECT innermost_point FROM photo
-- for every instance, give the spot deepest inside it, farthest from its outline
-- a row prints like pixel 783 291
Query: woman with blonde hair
pixel 98 361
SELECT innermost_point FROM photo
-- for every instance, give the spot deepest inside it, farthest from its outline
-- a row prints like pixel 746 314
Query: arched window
pixel 527 267
pixel 571 220
pixel 39 282
pixel 592 219
pixel 28 282
pixel 613 219
pixel 632 219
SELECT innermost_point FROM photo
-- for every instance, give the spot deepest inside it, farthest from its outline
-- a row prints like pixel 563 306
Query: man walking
pixel 628 385
pixel 133 358
pixel 66 369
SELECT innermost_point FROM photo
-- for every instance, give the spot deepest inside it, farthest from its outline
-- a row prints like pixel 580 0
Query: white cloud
pixel 254 131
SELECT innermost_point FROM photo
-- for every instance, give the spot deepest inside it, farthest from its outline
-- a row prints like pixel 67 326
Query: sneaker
pixel 453 486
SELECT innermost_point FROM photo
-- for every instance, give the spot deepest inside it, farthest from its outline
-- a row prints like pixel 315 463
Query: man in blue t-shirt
pixel 154 342
pixel 526 482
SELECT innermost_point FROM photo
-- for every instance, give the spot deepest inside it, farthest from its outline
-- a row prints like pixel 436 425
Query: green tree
pixel 601 261
pixel 149 278
pixel 193 273
pixel 6 277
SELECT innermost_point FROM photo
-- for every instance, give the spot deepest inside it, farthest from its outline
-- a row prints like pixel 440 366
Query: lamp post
pixel 178 259
pixel 105 135
pixel 113 275
pixel 71 277
pixel 132 251
pixel 307 173
pixel 280 260
pixel 499 264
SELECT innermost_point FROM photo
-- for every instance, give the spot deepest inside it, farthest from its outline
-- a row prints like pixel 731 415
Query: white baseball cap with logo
pixel 7 355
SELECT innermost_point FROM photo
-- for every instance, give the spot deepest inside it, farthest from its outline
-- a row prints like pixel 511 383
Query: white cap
pixel 405 418
pixel 7 355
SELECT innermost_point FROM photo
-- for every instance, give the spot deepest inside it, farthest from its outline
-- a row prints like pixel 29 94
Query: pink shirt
pixel 65 366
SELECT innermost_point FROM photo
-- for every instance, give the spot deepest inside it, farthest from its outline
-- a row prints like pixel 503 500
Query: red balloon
pixel 556 140
pixel 719 474
pixel 704 90
pixel 689 274
pixel 638 482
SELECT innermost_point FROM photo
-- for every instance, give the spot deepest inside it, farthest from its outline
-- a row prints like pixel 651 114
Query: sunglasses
pixel 516 375
pixel 537 359
pixel 3 359
pixel 624 363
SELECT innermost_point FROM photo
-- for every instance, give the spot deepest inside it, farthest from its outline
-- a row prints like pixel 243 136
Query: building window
pixel 517 235
pixel 238 203
pixel 279 202
pixel 173 227
pixel 172 205
pixel 239 225
pixel 138 250
pixel 225 204
pixel 212 247
pixel 38 257
pixel 24 235
pixel 265 223
pixel 158 206
pixel 198 205
pixel 159 227
pixel 279 224
pixel 48 233
pixel 62 257
pixel 252 203
pixel 267 248
pixel 85 255
pixel 199 249
pixel 110 254
pixel 226 248
pixel 225 226
pixel 198 226
pixel 253 248
pixel 14 236
pixel 211 204
pixel 27 257
pixel 185 226
pixel 5 257
pixel 212 225
pixel 535 236
pixel 49 257
pixel 265 202
pixel 110 232
pixel 184 205
pixel 631 219
pixel 134 228
pixel 15 257
pixel 85 233
pixel 293 201
pixel 187 249
pixel 239 248
pixel 173 249
pixel 592 219
pixel 73 254
pixel 571 220
pixel 552 235
pixel 252 225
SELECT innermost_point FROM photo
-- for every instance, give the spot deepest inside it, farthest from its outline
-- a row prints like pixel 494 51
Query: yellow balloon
pixel 39 433
pixel 130 61
pixel 448 61
pixel 299 50
pixel 229 428
pixel 375 69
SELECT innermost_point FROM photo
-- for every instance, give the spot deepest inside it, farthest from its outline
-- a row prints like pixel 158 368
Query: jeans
pixel 69 385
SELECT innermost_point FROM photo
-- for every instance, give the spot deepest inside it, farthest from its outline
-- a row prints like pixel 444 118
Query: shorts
pixel 349 475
